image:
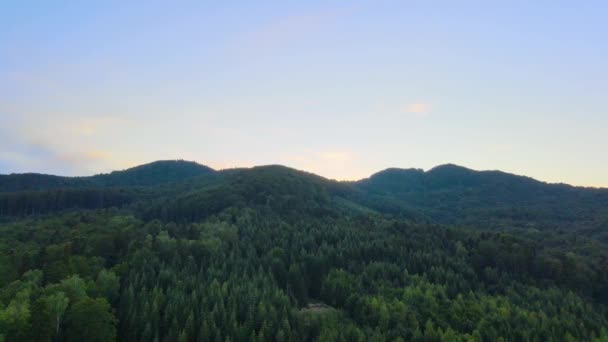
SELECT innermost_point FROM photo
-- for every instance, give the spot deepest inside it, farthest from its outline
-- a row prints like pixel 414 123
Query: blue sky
pixel 339 88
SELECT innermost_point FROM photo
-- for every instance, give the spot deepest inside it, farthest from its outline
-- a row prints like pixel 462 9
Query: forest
pixel 176 251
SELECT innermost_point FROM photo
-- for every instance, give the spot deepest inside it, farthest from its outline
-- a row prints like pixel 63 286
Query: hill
pixel 447 194
pixel 451 194
pixel 154 173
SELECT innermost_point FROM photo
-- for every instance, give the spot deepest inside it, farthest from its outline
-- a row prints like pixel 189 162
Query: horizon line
pixel 604 187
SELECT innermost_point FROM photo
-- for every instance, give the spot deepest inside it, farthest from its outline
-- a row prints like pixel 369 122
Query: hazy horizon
pixel 340 89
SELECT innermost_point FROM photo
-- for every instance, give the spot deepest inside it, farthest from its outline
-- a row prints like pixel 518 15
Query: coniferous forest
pixel 176 251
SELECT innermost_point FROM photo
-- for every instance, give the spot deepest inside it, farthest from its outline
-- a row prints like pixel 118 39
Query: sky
pixel 339 88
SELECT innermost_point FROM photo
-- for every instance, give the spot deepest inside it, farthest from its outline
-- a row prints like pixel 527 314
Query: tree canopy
pixel 274 254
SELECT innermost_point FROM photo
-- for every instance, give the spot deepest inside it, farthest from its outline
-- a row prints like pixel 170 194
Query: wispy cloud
pixel 419 109
pixel 40 156
pixel 86 156
pixel 94 125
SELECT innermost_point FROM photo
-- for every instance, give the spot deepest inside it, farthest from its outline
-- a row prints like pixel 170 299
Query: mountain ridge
pixel 447 194
pixel 442 168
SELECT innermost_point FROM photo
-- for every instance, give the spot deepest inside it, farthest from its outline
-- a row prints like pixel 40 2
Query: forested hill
pixel 154 173
pixel 457 195
pixel 447 194
pixel 175 251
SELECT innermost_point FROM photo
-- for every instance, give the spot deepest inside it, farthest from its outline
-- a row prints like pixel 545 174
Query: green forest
pixel 177 251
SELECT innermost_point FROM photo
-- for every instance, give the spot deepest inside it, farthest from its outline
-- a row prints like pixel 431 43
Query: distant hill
pixel 158 172
pixel 457 195
pixel 154 173
pixel 447 194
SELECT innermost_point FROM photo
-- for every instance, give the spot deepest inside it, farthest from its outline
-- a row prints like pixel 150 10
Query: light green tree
pixel 57 303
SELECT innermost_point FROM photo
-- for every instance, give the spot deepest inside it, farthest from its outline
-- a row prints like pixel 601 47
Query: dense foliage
pixel 272 254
